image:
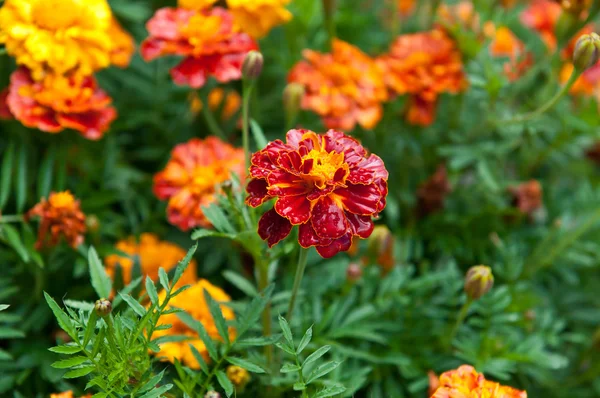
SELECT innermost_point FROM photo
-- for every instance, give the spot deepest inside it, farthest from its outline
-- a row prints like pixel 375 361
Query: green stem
pixel 297 280
pixel 11 218
pixel 246 92
pixel 328 13
pixel 211 122
pixel 459 321
pixel 263 281
pixel 301 376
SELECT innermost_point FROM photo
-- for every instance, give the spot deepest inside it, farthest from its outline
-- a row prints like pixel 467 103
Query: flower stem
pixel 212 124
pixel 328 14
pixel 263 281
pixel 11 218
pixel 246 92
pixel 297 280
pixel 459 321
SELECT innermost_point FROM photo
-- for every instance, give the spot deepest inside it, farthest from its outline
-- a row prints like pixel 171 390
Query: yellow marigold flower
pixel 152 254
pixel 195 4
pixel 192 301
pixel 238 376
pixel 63 35
pixel 258 17
pixel 68 394
pixel 465 382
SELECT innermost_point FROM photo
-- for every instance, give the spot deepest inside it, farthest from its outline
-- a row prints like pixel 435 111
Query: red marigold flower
pixel 527 196
pixel 425 65
pixel 209 40
pixel 60 216
pixel 189 178
pixel 466 382
pixel 58 102
pixel 542 16
pixel 344 87
pixel 4 111
pixel 326 184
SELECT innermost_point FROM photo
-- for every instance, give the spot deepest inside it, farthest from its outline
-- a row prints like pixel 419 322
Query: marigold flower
pixel 345 87
pixel 258 17
pixel 506 44
pixel 152 254
pixel 461 14
pixel 68 394
pixel 189 178
pixel 542 16
pixel 432 192
pixel 229 102
pixel 5 113
pixel 527 196
pixel 465 382
pixel 326 184
pixel 238 376
pixel 405 7
pixel 192 301
pixel 59 102
pixel 195 4
pixel 60 216
pixel 208 39
pixel 424 65
pixel 63 36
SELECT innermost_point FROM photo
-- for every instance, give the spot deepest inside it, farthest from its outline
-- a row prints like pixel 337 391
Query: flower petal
pixel 368 169
pixel 360 199
pixel 257 192
pixel 328 220
pixel 294 208
pixel 282 183
pixel 191 71
pixel 273 228
pixel 307 236
pixel 360 225
pixel 339 245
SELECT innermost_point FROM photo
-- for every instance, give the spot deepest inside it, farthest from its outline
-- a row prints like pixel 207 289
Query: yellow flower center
pixel 204 178
pixel 325 165
pixel 62 200
pixel 55 14
pixel 202 30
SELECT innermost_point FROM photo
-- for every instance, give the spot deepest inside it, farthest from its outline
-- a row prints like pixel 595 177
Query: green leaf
pixel 305 340
pixel 158 391
pixel 322 370
pixel 205 233
pixel 3 307
pixel 150 384
pixel 217 315
pixel 151 290
pixel 244 363
pixel 183 264
pixel 127 290
pixel 11 333
pixel 5 356
pixel 241 283
pixel 316 355
pixel 14 240
pixel 330 392
pixel 100 279
pixel 90 328
pixel 22 179
pixel 259 136
pixel 199 328
pixel 135 306
pixel 289 367
pixel 69 363
pixel 224 382
pixel 200 359
pixel 299 386
pixel 163 278
pixel 65 349
pixel 257 341
pixel 44 182
pixel 254 310
pixel 63 319
pixel 6 172
pixel 80 372
pixel 287 333
pixel 284 347
pixel 218 219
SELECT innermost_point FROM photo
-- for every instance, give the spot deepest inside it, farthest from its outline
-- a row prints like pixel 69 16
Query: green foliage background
pixel 534 330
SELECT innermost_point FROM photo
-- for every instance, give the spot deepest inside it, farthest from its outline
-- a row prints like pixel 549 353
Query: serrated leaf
pixel 257 341
pixel 316 355
pixel 217 218
pixel 241 283
pixel 151 290
pixel 254 310
pixel 289 367
pixel 287 333
pixel 65 349
pixel 183 264
pixel 224 382
pixel 158 391
pixel 90 328
pixel 101 282
pixel 127 290
pixel 305 340
pixel 200 359
pixel 244 363
pixel 259 136
pixel 322 370
pixel 69 363
pixel 63 319
pixel 21 180
pixel 6 172
pixel 163 278
pixel 217 315
pixel 14 240
pixel 80 372
pixel 330 392
pixel 135 306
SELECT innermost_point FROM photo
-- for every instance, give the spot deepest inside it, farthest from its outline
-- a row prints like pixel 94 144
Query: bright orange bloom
pixel 59 102
pixel 542 16
pixel 196 4
pixel 192 301
pixel 527 196
pixel 152 254
pixel 258 17
pixel 189 178
pixel 465 382
pixel 208 39
pixel 326 184
pixel 506 44
pixel 60 217
pixel 406 7
pixel 344 87
pixel 68 394
pixel 423 65
pixel 228 101
pixel 63 36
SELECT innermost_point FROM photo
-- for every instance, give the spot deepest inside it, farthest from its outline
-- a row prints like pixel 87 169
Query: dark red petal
pixel 91 125
pixel 4 111
pixel 294 208
pixel 291 161
pixel 282 183
pixel 191 71
pixel 340 142
pixel 307 236
pixel 328 220
pixel 339 245
pixel 367 170
pixel 317 193
pixel 360 225
pixel 360 199
pixel 257 192
pixel 273 228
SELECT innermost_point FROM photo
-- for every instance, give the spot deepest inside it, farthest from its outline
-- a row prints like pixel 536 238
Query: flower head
pixel 344 87
pixel 208 39
pixel 258 17
pixel 238 376
pixel 424 65
pixel 60 217
pixel 478 281
pixel 326 184
pixel 381 248
pixel 58 102
pixel 63 36
pixel 152 254
pixel 527 196
pixel 465 382
pixel 193 302
pixel 189 178
pixel 103 307
pixel 542 16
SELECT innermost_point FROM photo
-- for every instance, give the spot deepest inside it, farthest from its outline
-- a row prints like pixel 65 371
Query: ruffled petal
pixel 282 183
pixel 273 228
pixel 367 170
pixel 257 192
pixel 360 225
pixel 307 236
pixel 339 245
pixel 360 199
pixel 191 72
pixel 328 220
pixel 294 208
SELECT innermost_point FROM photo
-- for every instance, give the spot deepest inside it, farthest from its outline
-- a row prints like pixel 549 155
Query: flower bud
pixel 292 99
pixel 252 66
pixel 238 376
pixel 353 272
pixel 92 223
pixel 381 247
pixel 212 394
pixel 478 281
pixel 103 307
pixel 586 52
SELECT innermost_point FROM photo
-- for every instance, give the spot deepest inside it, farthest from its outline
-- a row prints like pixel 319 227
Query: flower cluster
pixel 326 184
pixel 193 302
pixel 423 65
pixel 466 382
pixel 344 87
pixel 189 178
pixel 59 44
pixel 60 217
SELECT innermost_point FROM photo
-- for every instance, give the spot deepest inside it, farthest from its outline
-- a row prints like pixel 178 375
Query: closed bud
pixel 292 100
pixel 252 66
pixel 92 222
pixel 586 52
pixel 212 394
pixel 381 247
pixel 353 272
pixel 478 281
pixel 103 307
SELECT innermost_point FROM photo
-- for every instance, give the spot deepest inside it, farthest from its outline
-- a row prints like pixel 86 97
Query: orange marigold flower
pixel 258 17
pixel 68 394
pixel 405 7
pixel 465 382
pixel 527 196
pixel 123 45
pixel 152 254
pixel 208 39
pixel 344 87
pixel 193 302
pixel 60 216
pixel 62 36
pixel 196 4
pixel 424 65
pixel 58 102
pixel 326 184
pixel 542 16
pixel 432 192
pixel 189 178
pixel 506 44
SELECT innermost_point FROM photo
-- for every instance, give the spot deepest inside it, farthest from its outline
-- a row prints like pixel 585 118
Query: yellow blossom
pixel 258 17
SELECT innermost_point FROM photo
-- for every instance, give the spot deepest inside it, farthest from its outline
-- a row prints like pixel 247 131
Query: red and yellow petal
pixel 360 225
pixel 328 220
pixel 282 183
pixel 295 208
pixel 273 228
pixel 367 170
pixel 257 192
pixel 359 199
